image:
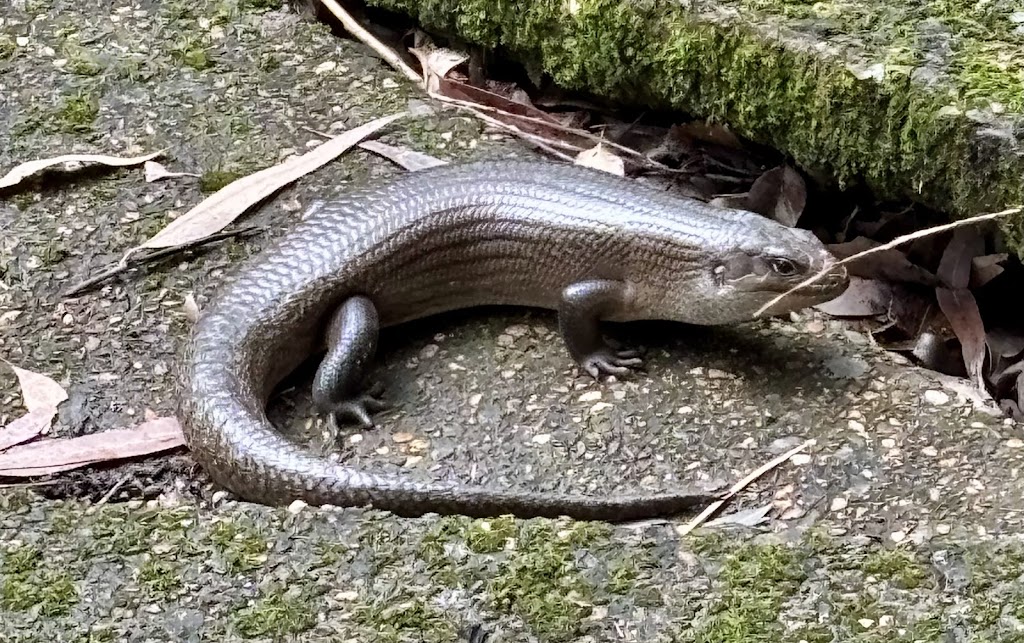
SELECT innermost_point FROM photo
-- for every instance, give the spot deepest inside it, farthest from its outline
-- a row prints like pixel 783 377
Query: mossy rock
pixel 919 100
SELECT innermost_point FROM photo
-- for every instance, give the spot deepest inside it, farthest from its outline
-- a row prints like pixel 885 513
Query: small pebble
pixel 933 396
pixel 296 506
pixel 838 504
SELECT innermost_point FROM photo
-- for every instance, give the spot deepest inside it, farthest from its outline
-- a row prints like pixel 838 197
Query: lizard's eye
pixel 783 267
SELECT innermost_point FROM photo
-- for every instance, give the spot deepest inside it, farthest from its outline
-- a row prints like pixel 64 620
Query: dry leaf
pixel 863 298
pixel 25 170
pixel 224 206
pixel 1005 343
pixel 707 132
pixel 889 265
pixel 779 194
pixel 961 310
pixel 409 159
pixel 955 266
pixel 26 427
pixel 155 172
pixel 52 456
pixel 599 158
pixel 985 268
pixel 436 63
pixel 38 391
pixel 745 517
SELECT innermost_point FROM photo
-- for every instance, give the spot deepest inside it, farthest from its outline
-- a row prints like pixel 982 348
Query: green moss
pixel 124 531
pixel 276 614
pixel 329 554
pixel 161 577
pixel 27 583
pixel 896 565
pixel 261 5
pixel 7 47
pixel 404 618
pixel 756 581
pixel 242 548
pixel 214 180
pixel 539 581
pixel 77 113
pixel 900 138
pixel 811 634
pixel 988 73
pixel 192 52
pixel 489 536
pixel 21 560
pixel 81 61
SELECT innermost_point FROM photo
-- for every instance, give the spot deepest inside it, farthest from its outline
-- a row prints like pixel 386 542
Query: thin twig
pixel 124 265
pixel 364 36
pixel 739 486
pixel 477 108
pixel 108 495
pixel 889 246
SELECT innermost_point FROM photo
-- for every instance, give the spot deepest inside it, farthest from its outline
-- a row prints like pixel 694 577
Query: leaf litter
pixel 928 299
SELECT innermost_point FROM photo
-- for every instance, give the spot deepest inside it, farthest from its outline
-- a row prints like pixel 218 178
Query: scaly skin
pixel 586 243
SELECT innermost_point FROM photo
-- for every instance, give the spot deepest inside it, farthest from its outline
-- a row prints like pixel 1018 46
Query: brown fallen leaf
pixel 707 132
pixel 25 170
pixel 599 158
pixel 863 298
pixel 26 428
pixel 888 265
pixel 955 265
pixel 38 391
pixel 224 206
pixel 436 63
pixel 985 268
pixel 779 194
pixel 62 454
pixel 961 309
pixel 1005 343
pixel 409 159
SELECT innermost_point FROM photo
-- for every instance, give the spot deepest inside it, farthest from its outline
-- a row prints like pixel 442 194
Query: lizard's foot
pixel 358 410
pixel 611 362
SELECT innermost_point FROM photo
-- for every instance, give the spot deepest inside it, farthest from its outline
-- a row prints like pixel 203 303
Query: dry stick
pixel 739 486
pixel 123 265
pixel 475 107
pixel 889 246
pixel 367 38
pixel 108 495
pixel 396 62
pixel 543 143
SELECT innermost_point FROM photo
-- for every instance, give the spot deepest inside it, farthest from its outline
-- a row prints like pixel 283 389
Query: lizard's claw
pixel 611 362
pixel 360 409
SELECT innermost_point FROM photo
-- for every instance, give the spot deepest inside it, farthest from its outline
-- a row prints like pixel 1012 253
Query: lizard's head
pixel 769 260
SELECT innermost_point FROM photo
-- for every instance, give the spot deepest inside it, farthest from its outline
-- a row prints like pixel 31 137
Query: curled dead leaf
pixel 599 158
pixel 25 170
pixel 779 194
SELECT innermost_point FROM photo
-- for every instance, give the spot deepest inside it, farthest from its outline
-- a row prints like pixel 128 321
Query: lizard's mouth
pixel 827 288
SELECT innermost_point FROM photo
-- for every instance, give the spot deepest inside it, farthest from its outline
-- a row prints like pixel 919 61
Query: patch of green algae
pixel 904 127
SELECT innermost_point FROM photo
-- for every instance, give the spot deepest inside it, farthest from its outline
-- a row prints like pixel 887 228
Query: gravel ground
pixel 901 524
